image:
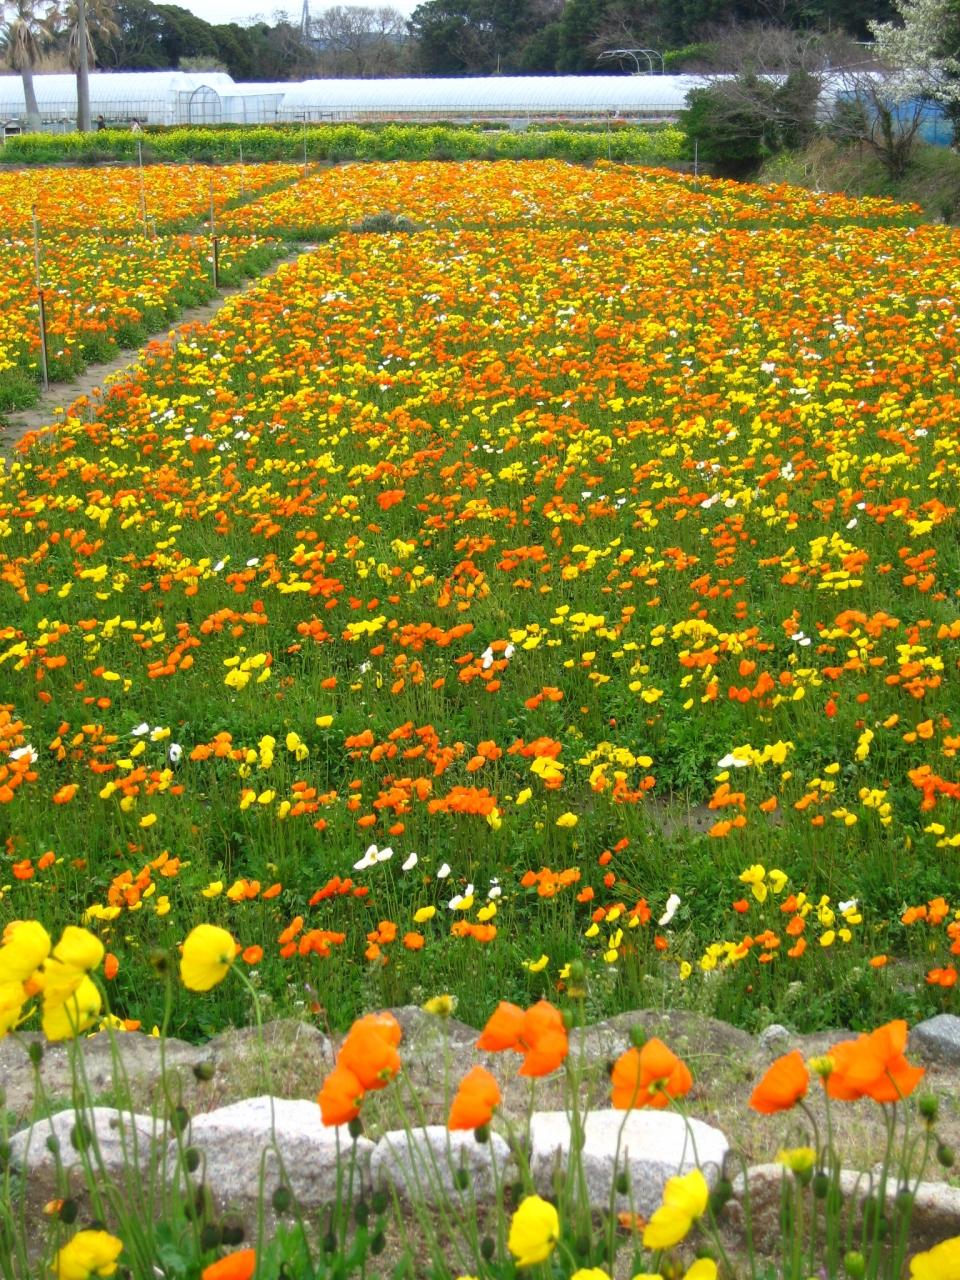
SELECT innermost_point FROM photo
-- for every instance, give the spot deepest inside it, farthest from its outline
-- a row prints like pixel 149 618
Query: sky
pixel 243 11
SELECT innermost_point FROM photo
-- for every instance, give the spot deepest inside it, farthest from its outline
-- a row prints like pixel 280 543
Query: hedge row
pixel 347 142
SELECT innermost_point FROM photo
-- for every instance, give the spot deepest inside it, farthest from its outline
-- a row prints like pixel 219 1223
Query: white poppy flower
pixel 730 761
pixel 672 903
pixel 411 861
pixel 369 859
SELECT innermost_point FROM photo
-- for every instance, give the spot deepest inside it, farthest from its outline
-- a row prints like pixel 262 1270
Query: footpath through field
pixel 54 403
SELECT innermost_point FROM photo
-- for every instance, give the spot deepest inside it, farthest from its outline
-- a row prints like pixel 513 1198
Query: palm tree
pixel 79 20
pixel 23 37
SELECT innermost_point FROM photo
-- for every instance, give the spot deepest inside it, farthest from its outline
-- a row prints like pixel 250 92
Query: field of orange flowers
pixel 112 266
pixel 573 579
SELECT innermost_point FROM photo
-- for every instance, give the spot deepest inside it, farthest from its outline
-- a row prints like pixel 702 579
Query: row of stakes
pixel 149 228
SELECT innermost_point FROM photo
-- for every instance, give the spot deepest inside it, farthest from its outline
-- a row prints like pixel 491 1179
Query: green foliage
pixel 222 145
pixel 676 61
pixel 734 139
pixel 737 124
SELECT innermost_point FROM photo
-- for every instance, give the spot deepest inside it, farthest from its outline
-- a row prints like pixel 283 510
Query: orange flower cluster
pixel 539 1034
pixel 367 1061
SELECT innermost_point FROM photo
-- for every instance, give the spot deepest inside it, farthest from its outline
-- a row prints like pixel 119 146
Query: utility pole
pixel 83 70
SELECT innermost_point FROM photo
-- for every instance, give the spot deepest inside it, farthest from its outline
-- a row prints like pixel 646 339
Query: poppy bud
pixel 582 1245
pixel 623 1183
pixel 329 1243
pixel 361 1213
pixel 210 1237
pixel 904 1200
pixel 461 1179
pixel 191 1159
pixel 482 1133
pixel 929 1106
pixel 52 1144
pixel 378 1243
pixel 379 1201
pixel 233 1233
pixel 201 1202
pixel 35 1052
pixel 204 1071
pixel 179 1119
pixel 282 1199
pixel 855 1264
pixel 80 1136
pixel 160 961
pixel 488 1247
pixel 638 1037
pixel 355 1127
pixel 945 1155
pixel 68 1212
pixel 567 1016
pixel 821 1185
pixel 720 1195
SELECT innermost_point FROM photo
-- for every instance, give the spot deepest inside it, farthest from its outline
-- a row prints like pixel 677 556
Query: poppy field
pixel 563 592
pixel 120 253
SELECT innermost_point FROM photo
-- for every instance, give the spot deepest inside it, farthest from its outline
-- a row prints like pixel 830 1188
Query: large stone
pixel 774 1040
pixel 239 1146
pixel 651 1146
pixel 425 1164
pixel 137 1084
pixel 938 1039
pixel 688 1034
pixel 114 1143
pixel 935 1217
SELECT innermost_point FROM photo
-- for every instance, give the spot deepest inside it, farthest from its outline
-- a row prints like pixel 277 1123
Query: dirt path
pixel 53 403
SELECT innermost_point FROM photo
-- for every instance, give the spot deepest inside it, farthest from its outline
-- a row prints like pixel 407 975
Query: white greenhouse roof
pixel 507 95
pixel 177 97
pixel 153 97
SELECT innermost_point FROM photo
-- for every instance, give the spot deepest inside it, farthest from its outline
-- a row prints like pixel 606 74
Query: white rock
pixel 235 1141
pixel 655 1146
pixel 424 1162
pixel 775 1039
pixel 938 1039
pixel 124 1141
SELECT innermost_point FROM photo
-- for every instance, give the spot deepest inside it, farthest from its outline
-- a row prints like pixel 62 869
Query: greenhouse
pixel 181 98
pixel 510 98
pixel 152 97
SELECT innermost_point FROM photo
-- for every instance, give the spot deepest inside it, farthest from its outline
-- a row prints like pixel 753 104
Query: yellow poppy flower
pixel 208 954
pixel 534 1231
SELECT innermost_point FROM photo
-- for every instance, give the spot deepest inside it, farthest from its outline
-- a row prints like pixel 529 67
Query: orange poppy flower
pixel 503 1028
pixel 942 977
pixel 649 1077
pixel 235 1266
pixel 385 1025
pixel 873 1066
pixel 475 1100
pixel 543 1040
pixel 340 1097
pixel 370 1052
pixel 784 1084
